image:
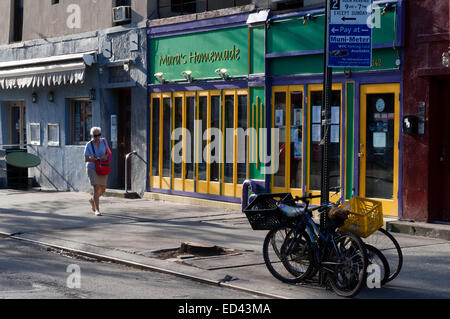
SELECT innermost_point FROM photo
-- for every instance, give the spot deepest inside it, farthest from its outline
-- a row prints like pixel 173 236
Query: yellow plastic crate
pixel 366 216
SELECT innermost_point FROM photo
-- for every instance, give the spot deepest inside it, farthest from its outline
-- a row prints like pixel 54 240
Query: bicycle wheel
pixel 390 248
pixel 350 272
pixel 288 258
pixel 376 257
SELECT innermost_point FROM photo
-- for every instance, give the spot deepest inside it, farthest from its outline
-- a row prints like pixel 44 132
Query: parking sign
pixel 349 35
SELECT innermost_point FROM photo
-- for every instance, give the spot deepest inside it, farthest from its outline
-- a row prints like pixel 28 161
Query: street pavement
pixel 132 231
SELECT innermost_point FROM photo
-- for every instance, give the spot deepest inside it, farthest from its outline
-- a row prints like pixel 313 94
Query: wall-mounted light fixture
pixel 446 58
pixel 126 67
pixel 92 94
pixel 51 97
pixel 223 73
pixel 159 77
pixel 307 18
pixel 187 75
pixel 387 7
pixel 34 97
pixel 348 73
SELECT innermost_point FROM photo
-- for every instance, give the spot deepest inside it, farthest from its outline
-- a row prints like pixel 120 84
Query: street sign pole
pixel 348 44
pixel 326 112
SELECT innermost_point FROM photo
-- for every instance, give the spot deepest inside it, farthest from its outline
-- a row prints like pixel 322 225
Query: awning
pixel 51 71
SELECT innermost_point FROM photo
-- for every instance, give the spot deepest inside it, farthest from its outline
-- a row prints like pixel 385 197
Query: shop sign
pixel 350 34
pixel 194 57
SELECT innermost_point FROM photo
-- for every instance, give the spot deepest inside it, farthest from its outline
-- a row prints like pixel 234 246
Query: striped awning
pixel 45 72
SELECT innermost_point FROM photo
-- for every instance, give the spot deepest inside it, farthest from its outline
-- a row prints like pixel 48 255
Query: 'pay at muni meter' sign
pixel 350 36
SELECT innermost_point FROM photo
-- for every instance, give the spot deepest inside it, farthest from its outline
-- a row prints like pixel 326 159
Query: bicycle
pixel 390 248
pixel 303 249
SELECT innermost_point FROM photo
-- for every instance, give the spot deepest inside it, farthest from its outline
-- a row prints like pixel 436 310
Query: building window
pixel 80 121
pixel 168 8
pixel 18 20
pixel 53 134
pixel 184 6
pixel 120 3
pixel 35 134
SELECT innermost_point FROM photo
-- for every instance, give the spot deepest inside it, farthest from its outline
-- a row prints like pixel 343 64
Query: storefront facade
pixel 256 71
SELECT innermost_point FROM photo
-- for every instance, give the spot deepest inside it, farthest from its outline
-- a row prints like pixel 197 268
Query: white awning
pixel 52 71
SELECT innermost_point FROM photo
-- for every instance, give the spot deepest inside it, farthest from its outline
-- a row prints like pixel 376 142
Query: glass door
pixel 378 154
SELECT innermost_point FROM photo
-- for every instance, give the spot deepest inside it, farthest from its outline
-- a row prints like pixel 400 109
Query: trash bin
pixel 3 175
pixel 17 177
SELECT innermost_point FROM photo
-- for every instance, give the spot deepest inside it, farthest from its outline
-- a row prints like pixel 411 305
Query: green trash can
pixel 18 162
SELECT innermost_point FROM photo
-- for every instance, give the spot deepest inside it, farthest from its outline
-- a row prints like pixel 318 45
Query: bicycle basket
pixel 366 216
pixel 263 212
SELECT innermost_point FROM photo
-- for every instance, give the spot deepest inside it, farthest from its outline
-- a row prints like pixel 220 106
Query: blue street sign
pixel 349 34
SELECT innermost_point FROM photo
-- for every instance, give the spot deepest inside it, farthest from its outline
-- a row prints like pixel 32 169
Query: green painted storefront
pixel 268 65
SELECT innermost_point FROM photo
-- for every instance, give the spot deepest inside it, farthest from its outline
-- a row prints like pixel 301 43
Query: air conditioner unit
pixel 121 14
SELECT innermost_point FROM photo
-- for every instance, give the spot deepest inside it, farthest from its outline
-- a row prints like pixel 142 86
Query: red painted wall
pixel 426 38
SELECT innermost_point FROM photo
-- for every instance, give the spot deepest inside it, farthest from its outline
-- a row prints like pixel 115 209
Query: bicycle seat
pixel 291 211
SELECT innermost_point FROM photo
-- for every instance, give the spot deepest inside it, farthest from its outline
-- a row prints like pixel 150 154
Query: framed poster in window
pixel 53 135
pixel 35 134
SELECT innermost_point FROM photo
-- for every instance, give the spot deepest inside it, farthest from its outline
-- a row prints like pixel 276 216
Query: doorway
pixel 17 124
pixel 124 135
pixel 439 150
pixel 379 140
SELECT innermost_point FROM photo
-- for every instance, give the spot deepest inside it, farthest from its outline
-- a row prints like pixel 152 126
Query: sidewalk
pixel 134 231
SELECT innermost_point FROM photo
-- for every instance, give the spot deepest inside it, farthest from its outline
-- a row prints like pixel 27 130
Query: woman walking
pixel 96 150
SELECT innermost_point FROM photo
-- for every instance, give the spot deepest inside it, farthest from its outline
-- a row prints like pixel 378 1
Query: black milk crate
pixel 263 212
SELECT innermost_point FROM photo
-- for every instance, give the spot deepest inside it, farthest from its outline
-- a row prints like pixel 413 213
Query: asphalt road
pixel 31 272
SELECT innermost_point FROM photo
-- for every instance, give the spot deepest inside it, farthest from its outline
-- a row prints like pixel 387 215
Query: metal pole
pixel 127 157
pixel 326 113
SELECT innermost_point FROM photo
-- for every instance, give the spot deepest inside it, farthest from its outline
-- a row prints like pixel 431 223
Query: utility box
pixel 410 124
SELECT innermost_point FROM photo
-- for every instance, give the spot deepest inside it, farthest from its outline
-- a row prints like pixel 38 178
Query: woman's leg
pixel 97 194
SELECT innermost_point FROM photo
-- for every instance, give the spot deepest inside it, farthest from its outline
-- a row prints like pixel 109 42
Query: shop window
pixel 155 136
pixel 288 119
pixel 178 124
pixel 316 137
pixel 167 132
pixel 80 121
pixel 207 162
pixel 229 144
pixel 190 127
pixel 215 122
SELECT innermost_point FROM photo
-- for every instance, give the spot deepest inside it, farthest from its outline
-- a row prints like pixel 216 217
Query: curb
pixel 193 201
pixel 436 231
pixel 141 266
